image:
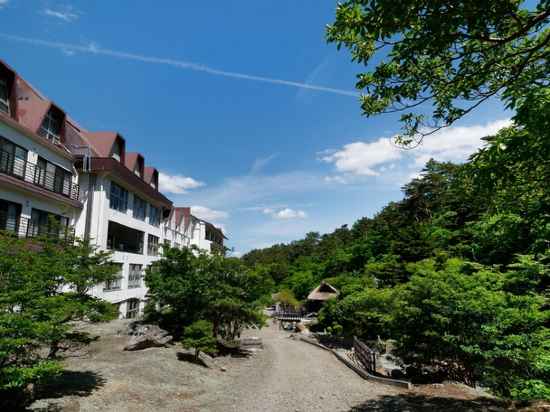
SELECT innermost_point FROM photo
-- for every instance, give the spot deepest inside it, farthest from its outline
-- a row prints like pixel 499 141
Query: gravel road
pixel 291 375
pixel 286 376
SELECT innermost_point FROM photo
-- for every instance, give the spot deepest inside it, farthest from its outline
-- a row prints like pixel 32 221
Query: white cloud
pixel 285 214
pixel 3 3
pixel 177 184
pixel 67 14
pixel 208 214
pixel 454 144
pixel 361 158
pixel 68 52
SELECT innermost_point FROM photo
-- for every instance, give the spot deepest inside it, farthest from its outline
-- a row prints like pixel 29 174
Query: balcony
pixel 124 239
pixel 24 227
pixel 42 177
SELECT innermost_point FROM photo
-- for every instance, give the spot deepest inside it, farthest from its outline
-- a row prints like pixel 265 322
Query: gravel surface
pixel 287 375
pixel 290 375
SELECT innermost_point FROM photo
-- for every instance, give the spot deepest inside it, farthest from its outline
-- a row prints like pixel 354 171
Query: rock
pixel 251 342
pixel 207 360
pixel 146 336
pixel 223 368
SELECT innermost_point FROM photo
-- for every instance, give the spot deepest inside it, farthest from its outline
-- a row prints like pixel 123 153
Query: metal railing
pixel 24 227
pixel 365 355
pixel 32 173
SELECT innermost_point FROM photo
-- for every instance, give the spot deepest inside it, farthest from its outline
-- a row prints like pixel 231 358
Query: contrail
pixel 180 64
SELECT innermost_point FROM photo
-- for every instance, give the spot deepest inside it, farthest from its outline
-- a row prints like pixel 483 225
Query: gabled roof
pixel 102 142
pixel 132 159
pixel 182 216
pixel 214 228
pixel 149 173
pixel 323 292
pixel 28 108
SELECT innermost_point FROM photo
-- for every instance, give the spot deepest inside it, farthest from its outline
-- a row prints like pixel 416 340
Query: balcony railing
pixel 30 172
pixel 24 227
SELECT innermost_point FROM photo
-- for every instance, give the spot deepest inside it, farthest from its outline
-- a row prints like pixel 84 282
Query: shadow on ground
pixel 70 383
pixel 421 403
pixel 190 357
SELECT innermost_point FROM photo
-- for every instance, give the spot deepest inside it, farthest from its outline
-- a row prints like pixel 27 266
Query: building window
pixel 4 97
pixel 116 283
pixel 13 159
pixel 52 177
pixel 153 246
pixel 132 308
pixel 43 223
pixel 117 151
pixel 9 216
pixel 51 126
pixel 124 239
pixel 119 198
pixel 135 275
pixel 154 216
pixel 140 208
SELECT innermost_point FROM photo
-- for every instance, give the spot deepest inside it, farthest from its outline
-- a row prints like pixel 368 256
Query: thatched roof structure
pixel 323 292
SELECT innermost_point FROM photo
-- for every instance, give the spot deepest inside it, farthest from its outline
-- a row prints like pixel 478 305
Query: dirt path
pixel 291 375
pixel 287 375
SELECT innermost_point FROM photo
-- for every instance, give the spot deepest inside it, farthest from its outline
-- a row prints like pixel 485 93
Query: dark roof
pixel 102 142
pixel 323 292
pixel 27 114
pixel 127 178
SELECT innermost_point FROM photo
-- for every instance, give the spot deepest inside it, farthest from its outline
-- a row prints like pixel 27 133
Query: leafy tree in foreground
pixel 459 317
pixel 450 55
pixel 35 311
pixel 199 336
pixel 187 286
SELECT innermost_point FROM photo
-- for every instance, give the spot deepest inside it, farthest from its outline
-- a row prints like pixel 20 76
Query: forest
pixel 457 272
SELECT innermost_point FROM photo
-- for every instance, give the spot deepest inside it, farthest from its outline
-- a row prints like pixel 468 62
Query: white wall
pixel 27 200
pixel 100 217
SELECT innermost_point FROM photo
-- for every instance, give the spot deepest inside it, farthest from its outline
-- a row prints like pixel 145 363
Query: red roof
pixel 132 158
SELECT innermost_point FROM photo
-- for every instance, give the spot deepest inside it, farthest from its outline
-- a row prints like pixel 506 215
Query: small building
pixel 318 296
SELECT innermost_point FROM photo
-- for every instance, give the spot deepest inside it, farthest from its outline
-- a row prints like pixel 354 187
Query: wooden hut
pixel 318 296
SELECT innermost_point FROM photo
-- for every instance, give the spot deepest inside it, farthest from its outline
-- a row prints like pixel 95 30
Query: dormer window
pixel 137 170
pixel 4 97
pixel 117 151
pixel 51 126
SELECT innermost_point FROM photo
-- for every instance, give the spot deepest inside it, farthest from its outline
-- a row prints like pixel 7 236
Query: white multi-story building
pixel 183 228
pixel 51 169
pixel 38 182
pixel 122 211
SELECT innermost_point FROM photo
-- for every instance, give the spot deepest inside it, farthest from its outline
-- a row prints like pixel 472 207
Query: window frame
pixel 5 103
pixel 153 247
pixel 116 283
pixel 137 200
pixel 51 126
pixel 118 201
pixel 135 275
pixel 154 218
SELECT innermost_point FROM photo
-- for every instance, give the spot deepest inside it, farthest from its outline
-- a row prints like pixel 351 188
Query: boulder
pixel 251 342
pixel 143 336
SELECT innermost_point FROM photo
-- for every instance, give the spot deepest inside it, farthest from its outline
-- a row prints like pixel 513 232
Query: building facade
pixel 57 178
pixel 38 181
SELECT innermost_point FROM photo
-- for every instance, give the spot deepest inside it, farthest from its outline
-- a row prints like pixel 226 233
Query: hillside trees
pixel 458 270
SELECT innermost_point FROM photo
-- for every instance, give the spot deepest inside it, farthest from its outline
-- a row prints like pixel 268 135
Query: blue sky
pixel 246 110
